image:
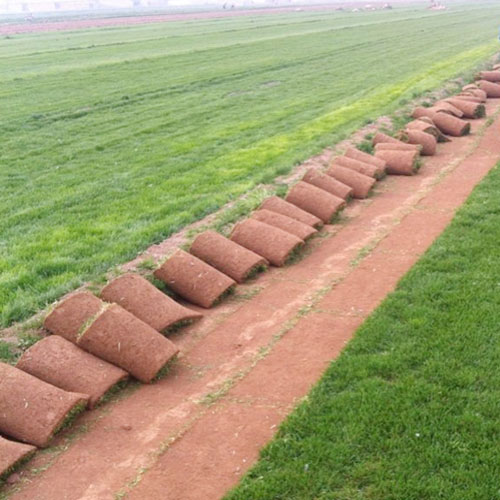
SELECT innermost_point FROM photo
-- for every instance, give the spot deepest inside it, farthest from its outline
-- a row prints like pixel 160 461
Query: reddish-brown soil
pixel 251 359
pixel 227 256
pixel 12 453
pixel 270 242
pixel 280 206
pixel 71 314
pixel 32 410
pixel 491 89
pixel 356 154
pixel 451 125
pixel 427 141
pixel 357 165
pixel 333 186
pixel 57 361
pixel 361 184
pixel 138 296
pixel 399 162
pixel 292 226
pixel 125 341
pixel 315 200
pixel 193 279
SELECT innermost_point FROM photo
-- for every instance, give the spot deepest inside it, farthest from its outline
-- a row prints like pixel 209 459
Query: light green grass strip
pixel 410 410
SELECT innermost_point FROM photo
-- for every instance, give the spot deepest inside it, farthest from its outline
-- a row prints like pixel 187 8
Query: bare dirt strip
pixel 245 366
pixel 75 24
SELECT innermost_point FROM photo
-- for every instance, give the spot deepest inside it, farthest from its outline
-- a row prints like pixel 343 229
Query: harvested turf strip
pixel 12 454
pixel 427 141
pixel 272 243
pixel 31 410
pixel 57 361
pixel 476 92
pixel 427 125
pixel 491 89
pixel 72 314
pixel 280 206
pixel 361 184
pixel 193 279
pixel 120 338
pixel 292 226
pixel 451 125
pixel 469 109
pixel 315 200
pixel 227 256
pixel 490 76
pixel 138 296
pixel 333 186
pixel 380 137
pixel 356 154
pixel 440 107
pixel 390 146
pixel 399 162
pixel 357 165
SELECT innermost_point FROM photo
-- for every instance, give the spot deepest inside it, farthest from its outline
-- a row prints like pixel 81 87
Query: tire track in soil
pixel 251 359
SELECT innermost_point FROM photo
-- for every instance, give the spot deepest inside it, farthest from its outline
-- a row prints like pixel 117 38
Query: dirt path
pixel 74 24
pixel 247 363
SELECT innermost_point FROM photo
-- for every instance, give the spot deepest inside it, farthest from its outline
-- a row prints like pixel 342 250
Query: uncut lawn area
pixel 113 139
pixel 411 408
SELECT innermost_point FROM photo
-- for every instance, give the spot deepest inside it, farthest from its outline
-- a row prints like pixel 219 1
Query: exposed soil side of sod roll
pixel 399 162
pixel 427 126
pixel 427 141
pixel 280 206
pixel 491 89
pixel 380 137
pixel 476 92
pixel 57 361
pixel 120 338
pixel 327 183
pixel 356 154
pixel 274 244
pixel 490 76
pixel 227 256
pixel 469 109
pixel 139 297
pixel 361 184
pixel 443 107
pixel 292 226
pixel 315 200
pixel 451 125
pixel 194 280
pixel 390 146
pixel 12 455
pixel 71 314
pixel 359 166
pixel 31 410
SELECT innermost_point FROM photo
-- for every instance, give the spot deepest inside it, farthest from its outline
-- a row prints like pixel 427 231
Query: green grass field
pixel 112 139
pixel 410 410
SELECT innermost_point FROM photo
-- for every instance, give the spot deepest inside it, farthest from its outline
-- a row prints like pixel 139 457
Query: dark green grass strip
pixel 411 409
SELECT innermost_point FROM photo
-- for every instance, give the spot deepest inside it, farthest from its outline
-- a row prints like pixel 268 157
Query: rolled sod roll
pixel 496 67
pixel 383 146
pixel 194 280
pixel 120 338
pixel 280 206
pixel 361 184
pixel 381 137
pixel 489 76
pixel 315 200
pixel 427 126
pixel 491 89
pixel 469 109
pixel 31 410
pixel 327 183
pixel 464 96
pixel 360 166
pixel 470 86
pixel 57 361
pixel 139 297
pixel 399 162
pixel 292 226
pixel 72 314
pixel 272 243
pixel 12 455
pixel 356 154
pixel 451 125
pixel 475 91
pixel 227 256
pixel 439 107
pixel 427 141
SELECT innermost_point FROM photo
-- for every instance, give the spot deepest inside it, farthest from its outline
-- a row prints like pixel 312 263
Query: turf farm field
pixel 115 138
